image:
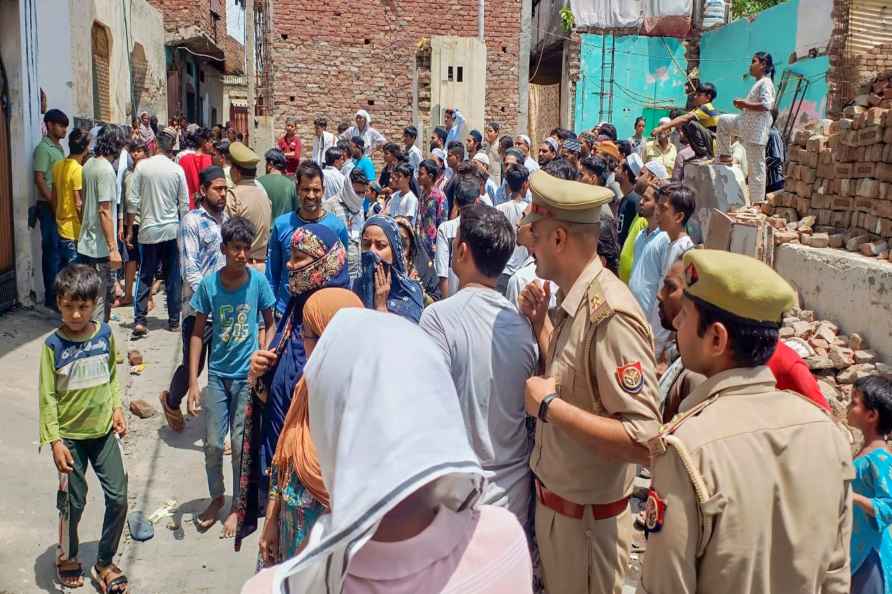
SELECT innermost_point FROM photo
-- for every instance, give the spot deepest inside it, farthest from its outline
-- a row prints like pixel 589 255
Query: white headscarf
pixel 349 197
pixel 368 118
pixel 381 434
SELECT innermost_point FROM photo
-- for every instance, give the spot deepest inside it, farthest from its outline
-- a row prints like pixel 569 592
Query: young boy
pixel 80 415
pixel 232 297
pixel 403 203
pixel 699 124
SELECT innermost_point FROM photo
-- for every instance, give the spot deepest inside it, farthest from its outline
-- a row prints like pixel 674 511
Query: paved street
pixel 161 466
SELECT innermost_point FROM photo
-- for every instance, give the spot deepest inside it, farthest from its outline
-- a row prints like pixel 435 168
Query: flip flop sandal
pixel 140 528
pixel 73 570
pixel 174 416
pixel 118 585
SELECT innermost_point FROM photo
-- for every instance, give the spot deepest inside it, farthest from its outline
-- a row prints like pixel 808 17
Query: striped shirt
pixel 199 243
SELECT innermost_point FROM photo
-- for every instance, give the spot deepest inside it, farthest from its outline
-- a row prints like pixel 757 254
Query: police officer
pixel 751 486
pixel 596 403
pixel 250 200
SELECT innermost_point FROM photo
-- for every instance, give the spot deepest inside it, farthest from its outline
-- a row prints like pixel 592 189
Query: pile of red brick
pixel 838 190
pixel 836 360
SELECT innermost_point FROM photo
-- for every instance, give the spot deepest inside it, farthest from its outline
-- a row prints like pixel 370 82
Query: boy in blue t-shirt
pixel 232 298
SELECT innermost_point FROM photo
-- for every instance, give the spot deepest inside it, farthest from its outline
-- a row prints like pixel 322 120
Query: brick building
pixel 329 60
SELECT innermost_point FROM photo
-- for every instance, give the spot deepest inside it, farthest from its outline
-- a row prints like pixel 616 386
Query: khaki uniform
pixel 599 331
pixel 751 494
pixel 675 385
pixel 250 200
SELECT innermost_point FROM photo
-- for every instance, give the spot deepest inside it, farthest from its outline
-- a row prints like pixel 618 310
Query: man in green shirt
pixel 279 187
pixel 47 152
pixel 97 245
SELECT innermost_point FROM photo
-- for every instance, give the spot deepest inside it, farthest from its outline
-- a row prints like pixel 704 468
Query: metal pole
pixel 249 69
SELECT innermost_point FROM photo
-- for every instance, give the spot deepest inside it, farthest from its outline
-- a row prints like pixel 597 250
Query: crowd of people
pixel 445 375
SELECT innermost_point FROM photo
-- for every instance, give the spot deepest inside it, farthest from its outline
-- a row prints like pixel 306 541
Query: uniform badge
pixel 654 513
pixel 630 377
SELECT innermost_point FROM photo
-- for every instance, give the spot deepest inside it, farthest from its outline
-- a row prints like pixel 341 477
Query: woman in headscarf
pixel 318 260
pixel 146 132
pixel 363 128
pixel 419 266
pixel 384 283
pixel 297 495
pixel 412 525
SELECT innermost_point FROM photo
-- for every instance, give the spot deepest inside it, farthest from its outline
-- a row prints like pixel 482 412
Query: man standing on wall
pixel 46 154
pixel 289 144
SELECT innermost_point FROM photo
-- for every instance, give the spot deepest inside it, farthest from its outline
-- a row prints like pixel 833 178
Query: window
pixel 100 42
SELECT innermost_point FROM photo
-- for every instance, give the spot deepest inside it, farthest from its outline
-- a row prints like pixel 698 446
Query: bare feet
pixel 208 517
pixel 230 525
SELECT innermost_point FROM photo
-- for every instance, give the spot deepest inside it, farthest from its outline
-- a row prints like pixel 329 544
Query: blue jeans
pixel 225 401
pixel 152 256
pixel 67 252
pixel 49 241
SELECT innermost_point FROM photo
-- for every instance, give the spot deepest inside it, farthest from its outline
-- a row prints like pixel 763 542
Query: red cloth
pixel 193 164
pixel 792 373
pixel 290 146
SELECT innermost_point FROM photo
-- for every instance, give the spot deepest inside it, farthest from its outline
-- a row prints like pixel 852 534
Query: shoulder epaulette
pixel 598 307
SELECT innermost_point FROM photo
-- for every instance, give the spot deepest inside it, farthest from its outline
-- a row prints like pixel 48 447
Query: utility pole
pixel 249 70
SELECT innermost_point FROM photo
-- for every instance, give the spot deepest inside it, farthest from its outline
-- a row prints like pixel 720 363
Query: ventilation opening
pixel 285 36
pixel 459 76
pixel 371 102
pixel 291 98
pixel 366 41
pixel 449 76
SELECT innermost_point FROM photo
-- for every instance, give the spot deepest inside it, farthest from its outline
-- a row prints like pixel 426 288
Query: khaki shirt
pixel 757 488
pixel 250 200
pixel 599 329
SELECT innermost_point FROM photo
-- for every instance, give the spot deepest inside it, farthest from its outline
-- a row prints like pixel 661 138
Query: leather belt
pixel 600 511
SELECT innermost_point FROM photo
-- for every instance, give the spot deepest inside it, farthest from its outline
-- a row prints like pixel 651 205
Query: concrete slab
pixel 715 186
pixel 848 289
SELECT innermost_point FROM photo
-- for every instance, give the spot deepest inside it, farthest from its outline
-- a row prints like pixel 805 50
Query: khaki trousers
pixel 584 556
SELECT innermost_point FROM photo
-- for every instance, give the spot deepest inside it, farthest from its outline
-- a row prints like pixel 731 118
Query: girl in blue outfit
pixel 871 412
pixel 384 283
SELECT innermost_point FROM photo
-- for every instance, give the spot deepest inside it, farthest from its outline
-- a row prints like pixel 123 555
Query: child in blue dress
pixel 871 412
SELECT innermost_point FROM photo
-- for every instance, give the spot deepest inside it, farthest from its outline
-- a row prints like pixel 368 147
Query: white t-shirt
pixel 491 352
pixel 334 182
pixel 513 211
pixel 402 205
pixel 524 276
pixel 446 232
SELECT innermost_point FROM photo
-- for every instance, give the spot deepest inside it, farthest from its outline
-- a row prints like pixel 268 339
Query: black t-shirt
pixel 628 208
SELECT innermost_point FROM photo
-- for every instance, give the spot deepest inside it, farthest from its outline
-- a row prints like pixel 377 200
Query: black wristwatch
pixel 543 407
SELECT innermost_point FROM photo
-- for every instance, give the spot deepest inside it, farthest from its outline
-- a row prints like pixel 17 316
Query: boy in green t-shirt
pixel 699 124
pixel 81 417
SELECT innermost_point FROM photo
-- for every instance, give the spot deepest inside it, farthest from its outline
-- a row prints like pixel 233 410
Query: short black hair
pixel 238 229
pixel 515 176
pixel 404 169
pixel 411 131
pixel 608 130
pixel 457 148
pixel 680 197
pixel 505 143
pixel 494 126
pixel 596 165
pixel 245 171
pixel 358 176
pixel 752 343
pixel 430 166
pixel 562 169
pixel 466 190
pixel 441 132
pixel 166 142
pixel 55 116
pixel 639 119
pixel 78 282
pixel 392 148
pixel 608 244
pixel 516 153
pixel 342 127
pixel 109 142
pixel 332 154
pixel 276 158
pixel 201 136
pixel 358 142
pixel 344 145
pixel 708 89
pixel 489 236
pixel 321 122
pixel 876 395
pixel 563 134
pixel 78 141
pixel 308 169
pixel 625 147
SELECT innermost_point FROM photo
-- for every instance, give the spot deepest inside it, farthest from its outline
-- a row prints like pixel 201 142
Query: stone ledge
pixel 851 290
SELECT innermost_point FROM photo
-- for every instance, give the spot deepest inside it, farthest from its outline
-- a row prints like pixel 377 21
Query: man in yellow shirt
pixel 661 149
pixel 67 201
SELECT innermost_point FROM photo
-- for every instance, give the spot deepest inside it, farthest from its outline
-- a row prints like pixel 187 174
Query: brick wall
pixel 330 59
pixel 184 13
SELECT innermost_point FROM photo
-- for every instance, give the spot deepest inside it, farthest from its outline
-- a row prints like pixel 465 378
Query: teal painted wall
pixel 649 72
pixel 725 55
